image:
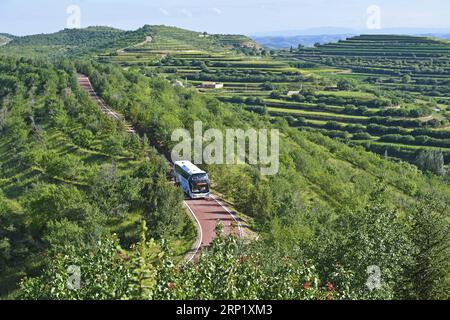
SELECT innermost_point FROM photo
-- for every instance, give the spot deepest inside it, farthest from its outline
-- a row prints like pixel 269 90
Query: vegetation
pixel 60 184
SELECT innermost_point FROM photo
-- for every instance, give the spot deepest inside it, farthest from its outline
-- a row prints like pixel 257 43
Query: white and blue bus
pixel 194 181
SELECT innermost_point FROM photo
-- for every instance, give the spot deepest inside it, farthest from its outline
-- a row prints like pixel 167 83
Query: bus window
pixel 200 183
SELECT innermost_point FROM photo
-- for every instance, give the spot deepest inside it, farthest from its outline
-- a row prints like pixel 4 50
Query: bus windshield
pixel 200 183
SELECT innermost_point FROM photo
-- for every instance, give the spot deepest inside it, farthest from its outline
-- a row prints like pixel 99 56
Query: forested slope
pixel 68 175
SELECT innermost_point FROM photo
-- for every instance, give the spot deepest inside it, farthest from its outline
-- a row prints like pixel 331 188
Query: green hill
pixel 171 39
pixel 106 40
pixel 72 42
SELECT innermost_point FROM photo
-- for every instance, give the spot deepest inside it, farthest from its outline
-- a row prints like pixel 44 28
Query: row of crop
pixel 384 116
pixel 398 151
pixel 435 91
pixel 380 130
pixel 418 140
pixel 340 100
pixel 395 139
pixel 418 137
pixel 245 77
pixel 385 121
pixel 382 53
pixel 423 137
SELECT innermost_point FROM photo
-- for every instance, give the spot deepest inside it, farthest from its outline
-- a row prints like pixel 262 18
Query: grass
pixel 315 113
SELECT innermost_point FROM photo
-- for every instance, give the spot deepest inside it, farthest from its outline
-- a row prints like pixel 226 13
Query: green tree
pixel 104 274
pixel 145 255
pixel 83 138
pixel 51 207
pixel 431 160
pixel 163 211
pixel 113 145
pixel 14 240
pixel 113 193
pixel 67 166
pixel 372 236
pixel 428 276
pixel 346 84
pixel 406 78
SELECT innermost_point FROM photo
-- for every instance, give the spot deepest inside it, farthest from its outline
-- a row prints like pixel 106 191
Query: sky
pixel 21 17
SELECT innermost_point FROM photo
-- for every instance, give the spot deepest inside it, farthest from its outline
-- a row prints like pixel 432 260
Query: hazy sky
pixel 220 16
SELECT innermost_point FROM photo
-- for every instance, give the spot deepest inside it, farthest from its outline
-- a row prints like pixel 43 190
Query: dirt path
pixel 86 85
pixel 148 39
pixel 206 212
pixel 426 119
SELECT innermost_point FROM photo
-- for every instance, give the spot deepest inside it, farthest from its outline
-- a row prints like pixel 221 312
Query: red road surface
pixel 206 212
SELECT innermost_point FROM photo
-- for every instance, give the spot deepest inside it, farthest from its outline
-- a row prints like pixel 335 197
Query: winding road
pixel 206 212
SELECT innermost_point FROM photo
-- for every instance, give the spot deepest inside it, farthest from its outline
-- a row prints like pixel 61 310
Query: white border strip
pixel 200 238
pixel 241 234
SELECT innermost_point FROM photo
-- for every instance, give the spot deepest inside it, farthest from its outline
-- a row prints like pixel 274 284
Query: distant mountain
pixel 308 37
pixel 7 35
pixel 320 31
pixel 322 35
pixel 280 42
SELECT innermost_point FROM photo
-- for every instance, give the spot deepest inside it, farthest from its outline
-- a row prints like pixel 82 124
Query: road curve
pixel 206 212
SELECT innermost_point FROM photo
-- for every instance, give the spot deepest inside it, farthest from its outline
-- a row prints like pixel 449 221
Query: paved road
pixel 206 212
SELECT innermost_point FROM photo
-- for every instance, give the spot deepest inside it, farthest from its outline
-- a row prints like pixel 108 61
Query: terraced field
pixel 413 69
pixel 387 59
pixel 387 93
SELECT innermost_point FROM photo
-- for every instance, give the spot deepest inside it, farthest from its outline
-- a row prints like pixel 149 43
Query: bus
pixel 194 181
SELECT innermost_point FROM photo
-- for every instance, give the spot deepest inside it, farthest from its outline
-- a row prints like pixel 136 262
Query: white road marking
pixel 241 234
pixel 201 232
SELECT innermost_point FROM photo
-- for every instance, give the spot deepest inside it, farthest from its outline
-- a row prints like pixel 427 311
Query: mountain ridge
pixel 102 39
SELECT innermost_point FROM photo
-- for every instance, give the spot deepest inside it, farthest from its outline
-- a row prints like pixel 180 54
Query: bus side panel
pixel 185 185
